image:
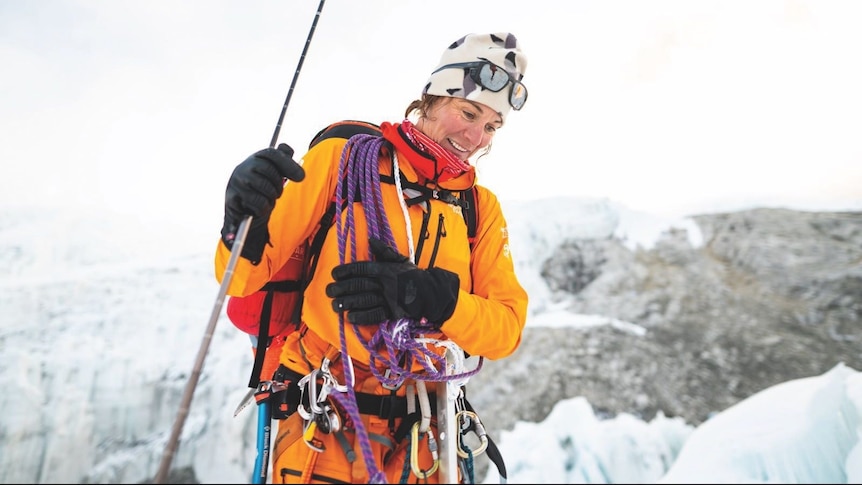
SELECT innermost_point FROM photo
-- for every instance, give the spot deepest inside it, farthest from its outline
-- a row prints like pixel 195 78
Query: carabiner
pixel 304 384
pixel 328 421
pixel 309 439
pixel 414 452
pixel 328 377
pixel 313 398
pixel 470 422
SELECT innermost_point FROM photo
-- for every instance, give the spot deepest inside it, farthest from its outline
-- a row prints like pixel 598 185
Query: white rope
pixel 410 394
pixel 408 225
pixel 458 359
pixel 457 363
pixel 424 406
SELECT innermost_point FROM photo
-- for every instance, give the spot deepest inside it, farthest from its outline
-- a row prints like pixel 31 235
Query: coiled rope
pixel 398 343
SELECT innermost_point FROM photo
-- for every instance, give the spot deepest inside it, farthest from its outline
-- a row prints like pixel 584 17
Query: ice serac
pixel 573 445
pixel 100 323
pixel 801 431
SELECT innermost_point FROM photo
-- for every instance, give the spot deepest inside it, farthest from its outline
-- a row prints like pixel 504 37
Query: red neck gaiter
pixel 426 156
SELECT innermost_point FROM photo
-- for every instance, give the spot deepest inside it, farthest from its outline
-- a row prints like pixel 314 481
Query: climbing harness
pixel 328 406
pixel 401 343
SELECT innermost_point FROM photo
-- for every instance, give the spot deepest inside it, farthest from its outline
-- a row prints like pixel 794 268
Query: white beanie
pixel 500 48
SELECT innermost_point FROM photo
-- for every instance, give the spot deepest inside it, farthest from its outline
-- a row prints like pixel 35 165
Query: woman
pixel 398 282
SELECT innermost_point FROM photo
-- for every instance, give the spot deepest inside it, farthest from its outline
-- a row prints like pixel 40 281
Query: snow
pixel 801 431
pixel 100 323
pixel 123 120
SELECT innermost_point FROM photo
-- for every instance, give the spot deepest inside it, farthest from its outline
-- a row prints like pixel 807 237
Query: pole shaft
pixel 447 429
pixel 296 75
pixel 236 250
pixel 173 441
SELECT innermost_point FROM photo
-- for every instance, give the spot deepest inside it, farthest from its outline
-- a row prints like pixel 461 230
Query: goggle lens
pixel 518 95
pixel 494 78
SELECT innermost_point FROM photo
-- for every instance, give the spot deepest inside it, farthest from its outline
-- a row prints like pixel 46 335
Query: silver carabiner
pixel 469 421
pixel 309 383
pixel 327 375
pixel 313 397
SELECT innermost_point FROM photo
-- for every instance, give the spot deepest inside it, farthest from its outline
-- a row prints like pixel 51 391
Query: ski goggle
pixel 493 78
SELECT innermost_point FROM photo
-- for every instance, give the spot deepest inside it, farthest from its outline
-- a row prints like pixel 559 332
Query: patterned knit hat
pixel 463 74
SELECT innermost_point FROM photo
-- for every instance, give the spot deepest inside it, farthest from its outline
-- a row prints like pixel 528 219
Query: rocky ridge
pixel 771 295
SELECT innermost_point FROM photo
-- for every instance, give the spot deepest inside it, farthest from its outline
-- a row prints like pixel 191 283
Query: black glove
pixel 391 287
pixel 252 190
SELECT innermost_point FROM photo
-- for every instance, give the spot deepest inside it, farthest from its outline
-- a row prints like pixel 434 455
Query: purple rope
pixel 349 403
pixel 397 339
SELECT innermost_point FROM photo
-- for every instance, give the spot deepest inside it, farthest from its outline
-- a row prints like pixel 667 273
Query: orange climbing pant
pixel 328 458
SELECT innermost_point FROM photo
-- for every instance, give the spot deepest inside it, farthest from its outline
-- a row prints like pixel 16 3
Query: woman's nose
pixel 475 135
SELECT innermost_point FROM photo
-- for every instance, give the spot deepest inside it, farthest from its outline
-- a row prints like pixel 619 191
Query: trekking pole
pixel 173 441
pixel 236 250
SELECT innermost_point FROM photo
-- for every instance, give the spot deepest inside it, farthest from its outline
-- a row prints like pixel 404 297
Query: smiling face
pixel 460 126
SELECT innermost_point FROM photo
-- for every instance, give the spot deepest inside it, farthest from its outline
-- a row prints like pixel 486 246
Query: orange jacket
pixel 492 305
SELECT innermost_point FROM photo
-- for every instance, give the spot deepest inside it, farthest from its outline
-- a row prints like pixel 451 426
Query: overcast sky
pixel 663 106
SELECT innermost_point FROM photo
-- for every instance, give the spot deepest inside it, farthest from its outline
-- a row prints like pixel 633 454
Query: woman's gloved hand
pixel 252 190
pixel 391 287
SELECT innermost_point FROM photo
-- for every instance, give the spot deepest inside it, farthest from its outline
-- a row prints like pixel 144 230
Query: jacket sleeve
pixel 489 320
pixel 294 218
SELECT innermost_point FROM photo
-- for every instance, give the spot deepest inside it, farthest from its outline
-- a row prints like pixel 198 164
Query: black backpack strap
pixel 470 209
pixel 347 128
pixel 467 201
pixel 285 286
pixel 262 341
pixel 344 129
pixel 341 129
pixel 312 254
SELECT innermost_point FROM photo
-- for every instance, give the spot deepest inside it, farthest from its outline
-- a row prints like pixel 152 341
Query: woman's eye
pixel 469 115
